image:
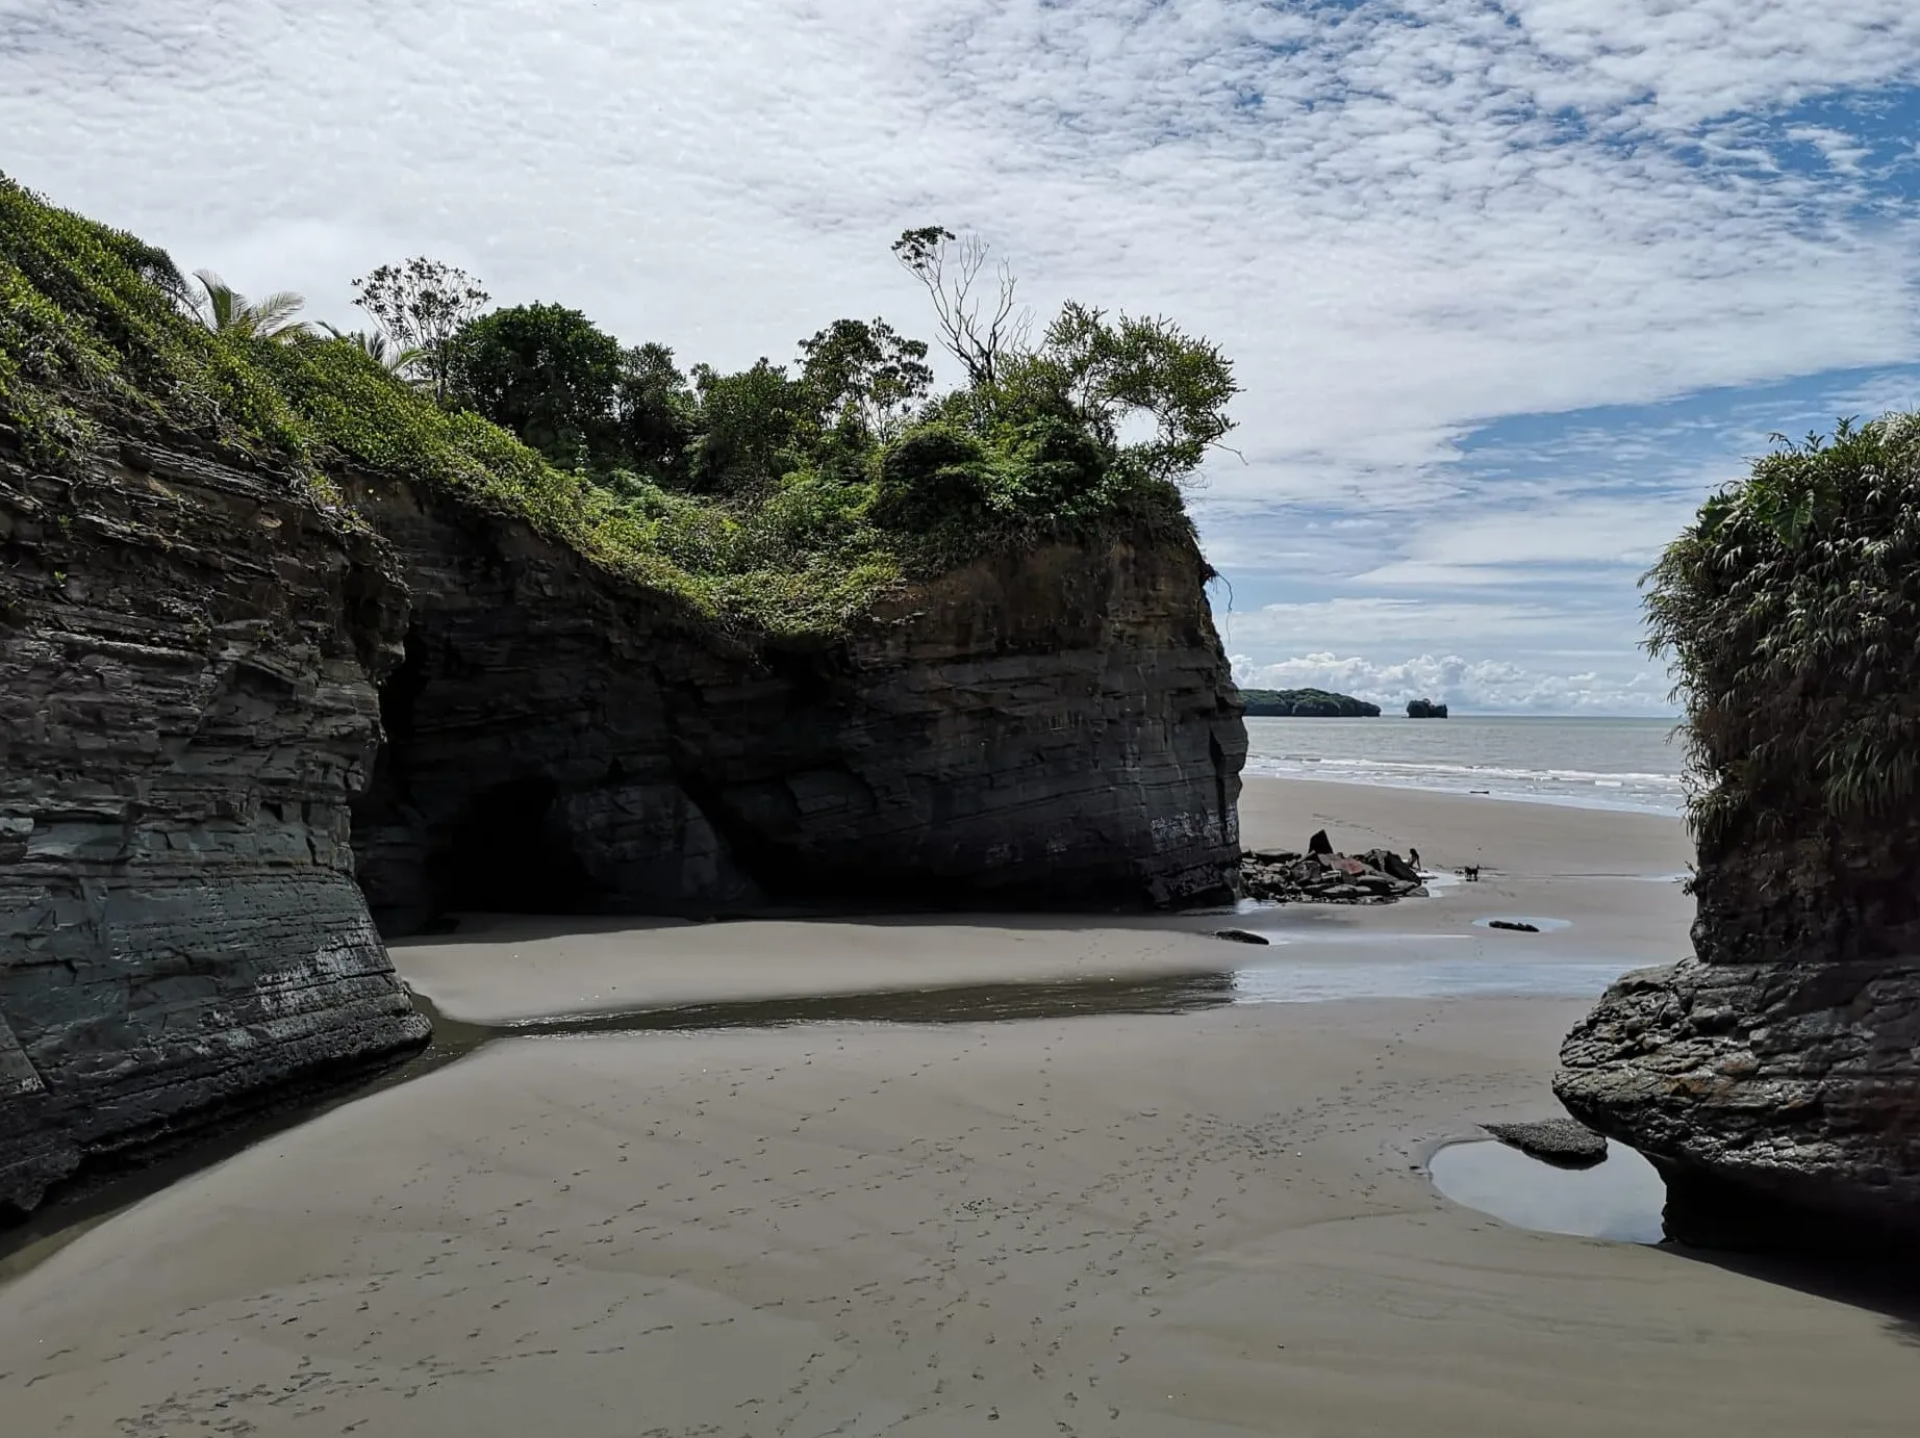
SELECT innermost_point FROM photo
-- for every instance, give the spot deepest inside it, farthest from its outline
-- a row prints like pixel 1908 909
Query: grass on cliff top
pixel 95 334
pixel 1790 609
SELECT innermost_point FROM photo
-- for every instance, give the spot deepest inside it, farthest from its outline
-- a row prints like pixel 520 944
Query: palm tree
pixel 393 358
pixel 226 311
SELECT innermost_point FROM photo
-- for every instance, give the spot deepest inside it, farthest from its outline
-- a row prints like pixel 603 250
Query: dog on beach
pixel 1471 873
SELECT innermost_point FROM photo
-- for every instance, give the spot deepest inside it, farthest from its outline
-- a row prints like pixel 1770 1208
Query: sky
pixel 1510 287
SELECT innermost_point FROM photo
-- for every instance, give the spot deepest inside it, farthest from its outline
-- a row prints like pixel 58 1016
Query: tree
pixel 226 311
pixel 749 424
pixel 422 305
pixel 400 363
pixel 547 373
pixel 975 333
pixel 863 376
pixel 1104 373
pixel 655 411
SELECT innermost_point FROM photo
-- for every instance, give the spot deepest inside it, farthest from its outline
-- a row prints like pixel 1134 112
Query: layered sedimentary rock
pixel 187 661
pixel 1050 727
pixel 1781 1101
pixel 1774 1076
pixel 196 661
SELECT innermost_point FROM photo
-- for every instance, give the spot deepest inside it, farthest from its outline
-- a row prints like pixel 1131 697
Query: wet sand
pixel 1212 1222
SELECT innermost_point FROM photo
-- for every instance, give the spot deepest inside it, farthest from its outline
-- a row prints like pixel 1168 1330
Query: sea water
pixel 1632 764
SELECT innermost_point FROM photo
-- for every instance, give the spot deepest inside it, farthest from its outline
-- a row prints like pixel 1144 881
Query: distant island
pixel 1305 704
pixel 1425 709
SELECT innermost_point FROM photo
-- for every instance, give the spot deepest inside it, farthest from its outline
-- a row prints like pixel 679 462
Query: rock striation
pixel 188 652
pixel 1054 727
pixel 1773 1077
pixel 1780 1101
pixel 198 662
pixel 242 696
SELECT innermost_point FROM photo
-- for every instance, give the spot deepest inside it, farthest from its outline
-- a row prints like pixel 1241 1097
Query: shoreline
pixel 1550 800
pixel 1129 1223
pixel 1645 765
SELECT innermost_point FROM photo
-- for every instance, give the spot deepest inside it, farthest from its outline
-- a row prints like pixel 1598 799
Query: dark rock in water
pixel 1320 843
pixel 1241 936
pixel 1514 925
pixel 1558 1141
pixel 188 652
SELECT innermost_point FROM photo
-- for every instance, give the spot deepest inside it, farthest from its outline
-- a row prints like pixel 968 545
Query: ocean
pixel 1632 764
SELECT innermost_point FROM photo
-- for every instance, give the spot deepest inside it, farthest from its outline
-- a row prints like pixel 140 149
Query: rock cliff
pixel 188 666
pixel 1052 727
pixel 1774 1076
pixel 187 652
pixel 276 629
pixel 1778 1100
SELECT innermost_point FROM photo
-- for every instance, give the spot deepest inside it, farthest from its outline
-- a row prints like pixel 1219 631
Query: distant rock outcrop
pixel 1425 709
pixel 1305 704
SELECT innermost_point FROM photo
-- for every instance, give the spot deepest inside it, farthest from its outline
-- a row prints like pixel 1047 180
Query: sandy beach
pixel 1101 1223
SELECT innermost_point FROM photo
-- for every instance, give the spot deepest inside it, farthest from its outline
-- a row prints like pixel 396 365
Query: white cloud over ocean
pixel 1510 285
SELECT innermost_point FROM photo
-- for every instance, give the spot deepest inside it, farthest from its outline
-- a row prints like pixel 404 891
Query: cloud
pixel 1483 686
pixel 1409 221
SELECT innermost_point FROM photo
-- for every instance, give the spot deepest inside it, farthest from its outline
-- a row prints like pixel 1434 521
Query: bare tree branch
pixel 950 268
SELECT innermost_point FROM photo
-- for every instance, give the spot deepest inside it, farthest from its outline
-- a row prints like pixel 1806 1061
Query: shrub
pixel 1790 610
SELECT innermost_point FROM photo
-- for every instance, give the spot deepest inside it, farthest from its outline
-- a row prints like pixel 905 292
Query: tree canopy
pixel 1306 703
pixel 548 374
pixel 787 496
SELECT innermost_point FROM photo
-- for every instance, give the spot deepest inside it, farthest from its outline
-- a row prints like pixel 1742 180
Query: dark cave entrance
pixel 445 826
pixel 509 852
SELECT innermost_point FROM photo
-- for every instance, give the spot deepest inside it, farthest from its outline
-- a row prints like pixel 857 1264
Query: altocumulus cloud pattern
pixel 1511 286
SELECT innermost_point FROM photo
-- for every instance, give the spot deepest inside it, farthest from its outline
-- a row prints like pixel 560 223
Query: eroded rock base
pixel 1780 1102
pixel 188 656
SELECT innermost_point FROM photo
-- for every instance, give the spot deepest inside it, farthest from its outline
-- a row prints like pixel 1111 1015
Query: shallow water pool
pixel 1619 1198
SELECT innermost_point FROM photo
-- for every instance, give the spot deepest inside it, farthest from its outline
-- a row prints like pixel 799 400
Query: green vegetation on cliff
pixel 786 502
pixel 1789 609
pixel 1306 703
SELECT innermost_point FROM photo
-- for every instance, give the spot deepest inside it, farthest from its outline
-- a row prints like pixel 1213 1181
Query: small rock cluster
pixel 1321 876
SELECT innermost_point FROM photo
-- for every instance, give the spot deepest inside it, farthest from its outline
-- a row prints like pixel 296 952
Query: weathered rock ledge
pixel 1780 1101
pixel 187 653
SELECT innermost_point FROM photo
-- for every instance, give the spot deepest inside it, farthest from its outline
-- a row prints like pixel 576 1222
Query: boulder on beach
pixel 1376 877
